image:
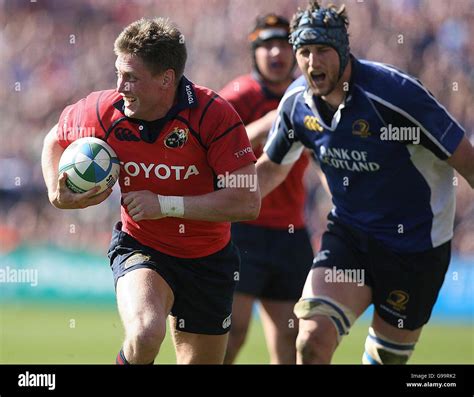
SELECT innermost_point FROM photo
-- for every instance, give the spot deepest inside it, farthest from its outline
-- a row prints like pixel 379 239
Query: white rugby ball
pixel 89 162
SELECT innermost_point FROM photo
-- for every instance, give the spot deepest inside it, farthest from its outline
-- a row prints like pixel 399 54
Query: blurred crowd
pixel 55 52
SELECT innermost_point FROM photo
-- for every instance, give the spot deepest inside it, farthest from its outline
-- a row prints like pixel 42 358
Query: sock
pixel 121 360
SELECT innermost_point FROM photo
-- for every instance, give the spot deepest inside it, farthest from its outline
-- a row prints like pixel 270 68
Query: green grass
pixel 32 334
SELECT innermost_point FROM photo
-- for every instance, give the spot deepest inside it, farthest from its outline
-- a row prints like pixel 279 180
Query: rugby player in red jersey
pixel 275 248
pixel 171 253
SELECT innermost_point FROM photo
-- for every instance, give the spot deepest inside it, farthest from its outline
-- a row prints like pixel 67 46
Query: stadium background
pixel 54 52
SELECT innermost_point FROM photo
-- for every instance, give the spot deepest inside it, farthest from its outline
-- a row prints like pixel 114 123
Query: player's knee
pixel 381 350
pixel 316 341
pixel 304 348
pixel 146 335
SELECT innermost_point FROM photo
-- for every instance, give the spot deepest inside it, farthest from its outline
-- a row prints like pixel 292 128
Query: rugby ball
pixel 89 162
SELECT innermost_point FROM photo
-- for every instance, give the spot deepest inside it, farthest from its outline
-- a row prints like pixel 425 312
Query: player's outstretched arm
pixel 462 160
pixel 58 193
pixel 270 174
pixel 239 201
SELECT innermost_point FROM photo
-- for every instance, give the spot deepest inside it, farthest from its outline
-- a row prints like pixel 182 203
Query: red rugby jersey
pixel 179 155
pixel 284 205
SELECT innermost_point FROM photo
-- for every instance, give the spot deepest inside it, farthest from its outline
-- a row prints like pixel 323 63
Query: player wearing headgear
pixel 388 150
pixel 275 249
pixel 172 252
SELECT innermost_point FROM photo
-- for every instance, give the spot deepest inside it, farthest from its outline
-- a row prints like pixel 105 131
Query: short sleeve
pixel 226 139
pixel 416 107
pixel 283 145
pixel 80 120
pixel 70 123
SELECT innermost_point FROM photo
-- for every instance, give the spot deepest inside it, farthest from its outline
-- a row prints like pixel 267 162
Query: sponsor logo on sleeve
pixel 243 152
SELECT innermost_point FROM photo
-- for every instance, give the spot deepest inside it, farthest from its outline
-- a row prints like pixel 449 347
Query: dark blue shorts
pixel 404 286
pixel 275 263
pixel 203 287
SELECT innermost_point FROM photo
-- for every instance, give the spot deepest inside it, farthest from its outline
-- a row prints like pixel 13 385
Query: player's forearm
pixel 270 174
pixel 58 193
pixel 50 157
pixel 323 180
pixel 238 200
pixel 257 133
pixel 229 204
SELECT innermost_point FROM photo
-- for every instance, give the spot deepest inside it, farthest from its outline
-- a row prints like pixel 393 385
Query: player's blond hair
pixel 158 43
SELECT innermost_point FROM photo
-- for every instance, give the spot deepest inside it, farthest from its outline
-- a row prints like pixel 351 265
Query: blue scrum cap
pixel 323 26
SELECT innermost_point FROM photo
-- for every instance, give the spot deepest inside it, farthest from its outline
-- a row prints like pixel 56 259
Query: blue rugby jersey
pixel 383 181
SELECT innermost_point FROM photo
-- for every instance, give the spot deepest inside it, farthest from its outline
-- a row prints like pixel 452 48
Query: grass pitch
pixel 71 334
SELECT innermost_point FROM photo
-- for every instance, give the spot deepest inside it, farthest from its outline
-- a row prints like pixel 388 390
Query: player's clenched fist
pixel 142 205
pixel 65 198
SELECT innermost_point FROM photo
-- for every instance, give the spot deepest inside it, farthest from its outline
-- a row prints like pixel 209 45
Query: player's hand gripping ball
pixel 89 162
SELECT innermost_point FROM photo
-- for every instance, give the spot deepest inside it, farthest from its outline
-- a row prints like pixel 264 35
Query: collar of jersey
pixel 354 72
pixel 309 100
pixel 150 130
pixel 186 98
